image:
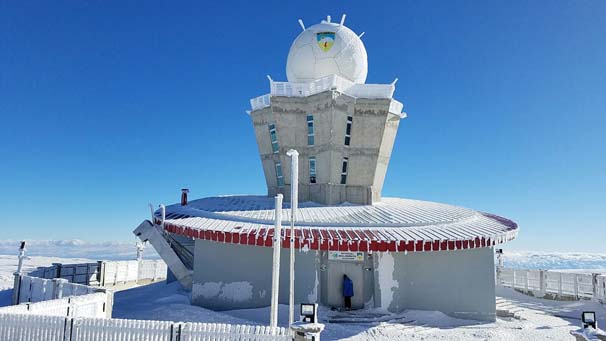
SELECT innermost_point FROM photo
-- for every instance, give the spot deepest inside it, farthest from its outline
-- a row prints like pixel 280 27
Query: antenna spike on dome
pixel 302 24
pixel 328 18
pixel 342 19
pixel 361 34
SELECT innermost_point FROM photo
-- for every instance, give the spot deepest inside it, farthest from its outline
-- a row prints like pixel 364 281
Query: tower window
pixel 312 169
pixel 310 130
pixel 273 137
pixel 348 130
pixel 344 171
pixel 279 174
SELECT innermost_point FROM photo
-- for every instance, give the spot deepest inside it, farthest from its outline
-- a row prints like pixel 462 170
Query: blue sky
pixel 107 106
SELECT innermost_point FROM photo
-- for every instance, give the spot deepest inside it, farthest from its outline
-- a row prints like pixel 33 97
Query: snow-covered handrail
pixel 554 284
pixel 331 82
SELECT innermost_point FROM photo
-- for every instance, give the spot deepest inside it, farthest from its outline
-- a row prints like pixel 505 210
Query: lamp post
pixel 294 201
pixel 275 271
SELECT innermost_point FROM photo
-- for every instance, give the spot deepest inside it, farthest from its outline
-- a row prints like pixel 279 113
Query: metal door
pixel 335 271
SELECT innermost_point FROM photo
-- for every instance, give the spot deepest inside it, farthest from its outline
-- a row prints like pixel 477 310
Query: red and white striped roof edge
pixel 392 225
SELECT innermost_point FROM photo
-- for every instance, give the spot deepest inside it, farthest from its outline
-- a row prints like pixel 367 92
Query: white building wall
pixel 459 283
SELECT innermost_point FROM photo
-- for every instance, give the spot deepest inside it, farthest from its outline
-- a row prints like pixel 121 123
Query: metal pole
pixel 21 257
pixel 17 283
pixel 163 214
pixel 275 271
pixel 294 201
pixel 140 247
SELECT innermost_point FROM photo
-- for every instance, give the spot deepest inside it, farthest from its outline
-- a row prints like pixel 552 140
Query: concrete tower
pixel 343 129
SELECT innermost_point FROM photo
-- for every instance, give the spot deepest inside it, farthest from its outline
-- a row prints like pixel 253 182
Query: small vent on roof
pixel 184 192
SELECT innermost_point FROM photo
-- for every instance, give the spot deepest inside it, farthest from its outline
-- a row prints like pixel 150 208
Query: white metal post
pixel 275 271
pixel 294 201
pixel 140 246
pixel 163 213
pixel 151 208
pixel 21 257
pixel 18 273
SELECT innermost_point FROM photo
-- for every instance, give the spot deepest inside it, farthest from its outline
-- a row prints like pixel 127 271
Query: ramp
pixel 146 231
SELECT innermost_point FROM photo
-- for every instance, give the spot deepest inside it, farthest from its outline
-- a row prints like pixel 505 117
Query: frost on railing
pixel 260 102
pixel 396 107
pixel 119 329
pixel 55 328
pixel 332 82
pixel 96 305
pixel 124 272
pixel 33 289
pixel 216 331
pixel 32 327
pixel 556 284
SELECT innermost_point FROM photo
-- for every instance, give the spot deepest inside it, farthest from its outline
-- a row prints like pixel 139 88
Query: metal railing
pixel 554 284
pixel 332 82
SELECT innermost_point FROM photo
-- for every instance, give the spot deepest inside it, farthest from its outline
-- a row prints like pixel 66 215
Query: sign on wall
pixel 346 256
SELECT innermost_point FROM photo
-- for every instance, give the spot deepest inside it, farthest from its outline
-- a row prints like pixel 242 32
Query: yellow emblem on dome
pixel 325 40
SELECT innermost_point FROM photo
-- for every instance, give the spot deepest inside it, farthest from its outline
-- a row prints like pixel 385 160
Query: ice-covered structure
pixel 400 253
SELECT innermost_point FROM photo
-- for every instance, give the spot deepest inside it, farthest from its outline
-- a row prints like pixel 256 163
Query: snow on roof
pixel 393 224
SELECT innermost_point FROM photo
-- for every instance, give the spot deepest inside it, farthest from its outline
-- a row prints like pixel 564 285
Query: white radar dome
pixel 326 49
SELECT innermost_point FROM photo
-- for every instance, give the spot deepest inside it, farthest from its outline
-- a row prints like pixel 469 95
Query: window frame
pixel 273 138
pixel 348 128
pixel 313 175
pixel 344 169
pixel 310 126
pixel 279 174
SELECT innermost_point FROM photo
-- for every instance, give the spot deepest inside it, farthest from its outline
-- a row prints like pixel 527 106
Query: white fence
pixel 91 305
pixel 560 285
pixel 17 327
pixel 34 289
pixel 124 272
pixel 105 273
pixel 57 310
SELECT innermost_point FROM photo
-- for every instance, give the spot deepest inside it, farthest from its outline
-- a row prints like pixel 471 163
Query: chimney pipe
pixel 184 192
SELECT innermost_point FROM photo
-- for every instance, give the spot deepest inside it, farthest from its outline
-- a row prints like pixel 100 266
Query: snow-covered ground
pixel 537 319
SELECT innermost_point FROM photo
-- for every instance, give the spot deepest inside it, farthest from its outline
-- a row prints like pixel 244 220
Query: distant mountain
pixel 554 260
pixel 75 248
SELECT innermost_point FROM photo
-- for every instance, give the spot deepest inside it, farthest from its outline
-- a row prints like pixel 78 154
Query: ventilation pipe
pixel 184 192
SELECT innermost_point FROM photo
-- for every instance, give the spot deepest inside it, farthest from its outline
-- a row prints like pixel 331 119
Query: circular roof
pixel 393 224
pixel 327 49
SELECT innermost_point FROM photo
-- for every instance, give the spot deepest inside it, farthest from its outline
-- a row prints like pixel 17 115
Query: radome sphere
pixel 325 49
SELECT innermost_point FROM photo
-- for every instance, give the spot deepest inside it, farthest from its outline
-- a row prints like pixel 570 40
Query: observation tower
pixel 399 253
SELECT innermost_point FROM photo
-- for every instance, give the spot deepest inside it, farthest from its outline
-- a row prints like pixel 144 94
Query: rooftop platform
pixel 332 82
pixel 394 224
